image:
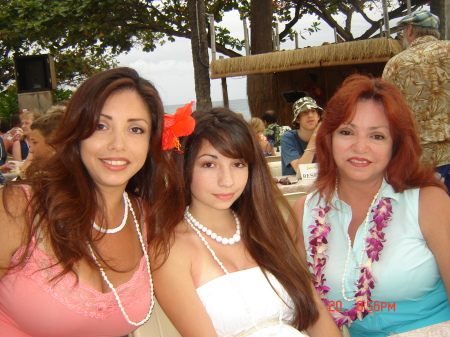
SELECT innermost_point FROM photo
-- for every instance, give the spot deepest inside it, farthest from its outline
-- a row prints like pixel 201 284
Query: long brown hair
pixel 265 233
pixel 65 198
pixel 404 170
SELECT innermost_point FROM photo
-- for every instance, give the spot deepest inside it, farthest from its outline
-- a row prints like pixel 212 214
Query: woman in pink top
pixel 73 244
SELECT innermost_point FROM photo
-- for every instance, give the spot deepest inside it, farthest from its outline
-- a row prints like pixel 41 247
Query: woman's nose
pixel 226 177
pixel 117 141
pixel 360 144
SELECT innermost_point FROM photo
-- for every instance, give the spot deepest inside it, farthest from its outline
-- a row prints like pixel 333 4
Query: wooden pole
pixel 213 36
pixel 226 102
pixel 277 36
pixel 274 40
pixel 386 18
pixel 246 39
pixel 408 6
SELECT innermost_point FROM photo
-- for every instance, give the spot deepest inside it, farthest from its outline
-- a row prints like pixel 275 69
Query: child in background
pixel 20 149
pixel 14 134
pixel 258 126
pixel 40 137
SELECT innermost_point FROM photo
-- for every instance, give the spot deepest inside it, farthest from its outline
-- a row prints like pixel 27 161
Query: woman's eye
pixel 101 126
pixel 208 165
pixel 345 132
pixel 379 137
pixel 138 130
pixel 240 164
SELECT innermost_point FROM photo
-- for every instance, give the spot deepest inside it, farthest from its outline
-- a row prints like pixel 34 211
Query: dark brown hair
pixel 404 170
pixel 65 196
pixel 264 231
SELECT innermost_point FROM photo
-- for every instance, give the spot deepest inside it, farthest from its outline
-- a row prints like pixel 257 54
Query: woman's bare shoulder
pixel 186 239
pixel 180 247
pixel 13 223
pixel 14 200
pixel 299 206
pixel 434 209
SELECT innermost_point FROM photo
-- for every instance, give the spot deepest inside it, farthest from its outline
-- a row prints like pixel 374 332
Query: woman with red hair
pixel 377 227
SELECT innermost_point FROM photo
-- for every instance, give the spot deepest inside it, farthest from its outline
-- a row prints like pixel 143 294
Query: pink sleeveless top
pixel 31 306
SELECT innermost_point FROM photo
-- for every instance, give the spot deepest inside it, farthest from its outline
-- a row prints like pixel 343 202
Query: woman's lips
pixel 115 164
pixel 224 197
pixel 359 162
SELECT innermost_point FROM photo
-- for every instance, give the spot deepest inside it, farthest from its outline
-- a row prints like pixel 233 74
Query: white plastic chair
pixel 275 168
pixel 293 197
pixel 273 158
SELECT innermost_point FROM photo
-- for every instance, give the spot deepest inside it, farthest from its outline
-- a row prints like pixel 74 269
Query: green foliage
pixel 86 35
pixel 73 67
pixel 9 104
pixel 30 27
pixel 62 95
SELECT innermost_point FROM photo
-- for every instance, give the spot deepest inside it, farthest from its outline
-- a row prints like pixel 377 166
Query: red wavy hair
pixel 404 170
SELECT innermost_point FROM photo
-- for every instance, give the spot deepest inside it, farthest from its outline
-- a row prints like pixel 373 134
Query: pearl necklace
pixel 230 241
pixel 124 220
pixel 350 246
pixel 110 285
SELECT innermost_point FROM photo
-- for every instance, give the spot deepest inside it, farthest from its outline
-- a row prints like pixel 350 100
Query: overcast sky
pixel 170 67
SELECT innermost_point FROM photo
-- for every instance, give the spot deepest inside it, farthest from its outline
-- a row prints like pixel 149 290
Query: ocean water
pixel 237 105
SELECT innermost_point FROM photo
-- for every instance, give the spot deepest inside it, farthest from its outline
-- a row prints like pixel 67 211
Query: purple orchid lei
pixel 366 281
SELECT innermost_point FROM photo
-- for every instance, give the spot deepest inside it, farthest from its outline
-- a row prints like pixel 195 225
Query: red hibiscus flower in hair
pixel 177 125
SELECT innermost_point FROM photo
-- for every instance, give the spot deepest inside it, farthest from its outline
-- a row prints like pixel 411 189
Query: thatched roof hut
pixel 292 70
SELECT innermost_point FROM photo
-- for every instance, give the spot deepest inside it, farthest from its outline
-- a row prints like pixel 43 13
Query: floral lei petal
pixel 177 125
pixel 366 281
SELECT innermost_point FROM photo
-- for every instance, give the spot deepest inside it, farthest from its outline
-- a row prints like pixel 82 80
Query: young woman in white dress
pixel 231 266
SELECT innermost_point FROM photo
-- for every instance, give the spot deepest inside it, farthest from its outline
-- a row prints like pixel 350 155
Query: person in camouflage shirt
pixel 422 73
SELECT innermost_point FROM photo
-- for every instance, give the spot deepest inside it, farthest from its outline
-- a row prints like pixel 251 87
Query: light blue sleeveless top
pixel 407 273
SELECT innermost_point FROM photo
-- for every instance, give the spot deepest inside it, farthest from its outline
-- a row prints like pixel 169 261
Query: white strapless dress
pixel 244 304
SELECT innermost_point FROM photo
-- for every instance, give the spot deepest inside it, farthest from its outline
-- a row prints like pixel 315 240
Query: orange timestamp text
pixel 368 305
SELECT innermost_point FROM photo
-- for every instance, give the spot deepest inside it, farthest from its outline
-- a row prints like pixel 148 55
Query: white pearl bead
pixel 121 226
pixel 200 228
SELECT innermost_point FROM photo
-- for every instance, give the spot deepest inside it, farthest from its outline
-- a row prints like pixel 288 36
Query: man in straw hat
pixel 422 73
pixel 298 146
